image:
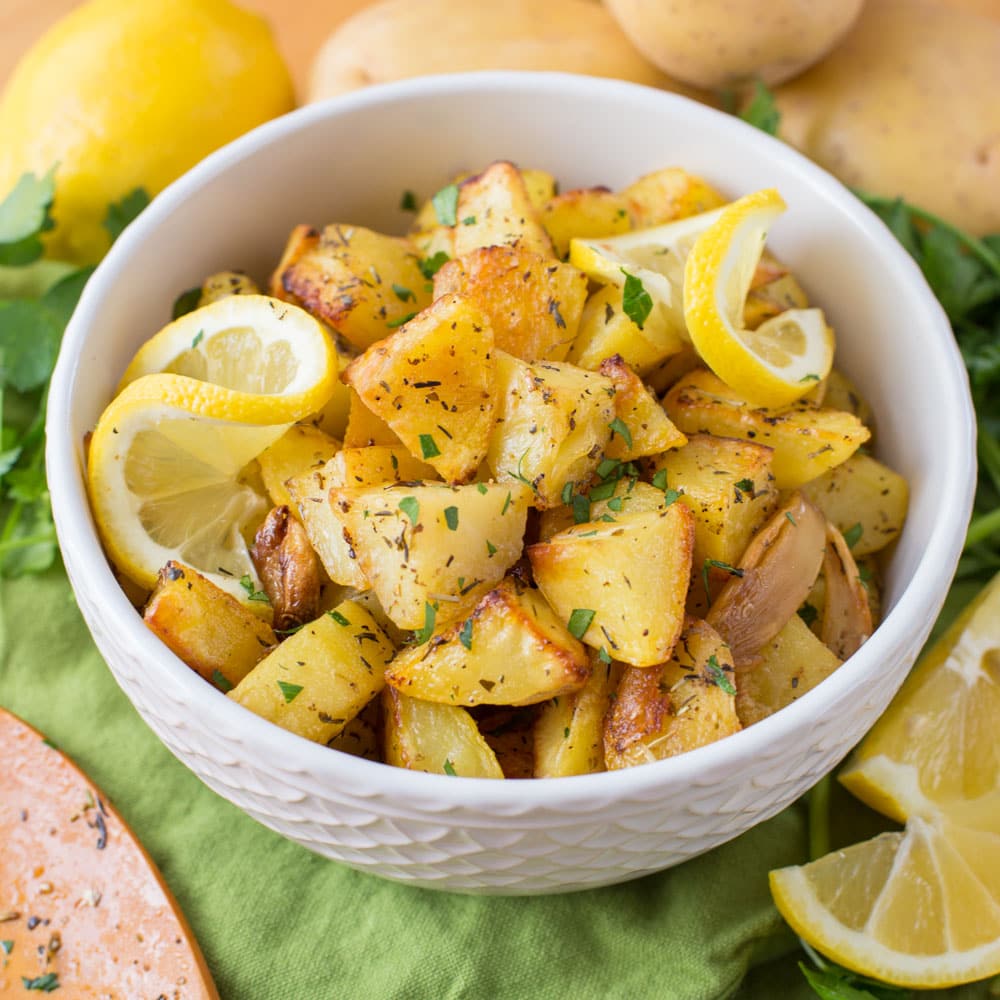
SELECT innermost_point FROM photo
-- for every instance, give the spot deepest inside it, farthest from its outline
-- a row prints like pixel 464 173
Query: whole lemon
pixel 124 94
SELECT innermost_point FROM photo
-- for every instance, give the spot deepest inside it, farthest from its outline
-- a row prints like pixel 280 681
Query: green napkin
pixel 277 922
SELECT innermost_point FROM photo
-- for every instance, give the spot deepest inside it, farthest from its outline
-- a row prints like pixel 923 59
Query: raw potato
pixel 439 739
pixel 432 382
pixel 714 44
pixel 399 39
pixel 807 439
pixel 569 731
pixel 668 709
pixel 532 303
pixel 302 449
pixel 906 105
pixel 864 494
pixel 553 423
pixel 425 544
pixel 790 664
pixel 511 650
pixel 318 679
pixel 622 583
pixel 206 627
pixel 360 282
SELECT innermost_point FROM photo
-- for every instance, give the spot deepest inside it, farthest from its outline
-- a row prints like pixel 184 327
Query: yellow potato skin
pixel 718 43
pixel 397 39
pixel 907 105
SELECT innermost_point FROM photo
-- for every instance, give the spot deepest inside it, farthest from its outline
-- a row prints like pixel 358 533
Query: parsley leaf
pixel 636 301
pixel 579 622
pixel 220 680
pixel 430 616
pixel 449 768
pixel 403 293
pixel 762 111
pixel 428 446
pixel 410 506
pixel 290 691
pixel 717 675
pixel 408 202
pixel 465 635
pixel 24 216
pixel 121 213
pixel 445 204
pixel 252 594
pixel 48 983
pixel 451 518
pixel 853 535
pixel 430 266
pixel 339 618
pixel 619 427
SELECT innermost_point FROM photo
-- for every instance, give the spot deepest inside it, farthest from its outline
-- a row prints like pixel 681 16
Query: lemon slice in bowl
pixel 655 257
pixel 936 743
pixel 250 344
pixel 781 360
pixel 166 471
pixel 919 908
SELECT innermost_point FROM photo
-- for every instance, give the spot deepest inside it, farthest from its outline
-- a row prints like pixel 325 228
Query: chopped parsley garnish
pixel 465 635
pixel 338 618
pixel 636 301
pixel 220 681
pixel 608 467
pixel 410 506
pixel 731 570
pixel 745 485
pixel 603 655
pixel 506 504
pixel 48 983
pixel 482 488
pixel 853 535
pixel 400 321
pixel 253 595
pixel 579 622
pixel 718 676
pixel 430 616
pixel 469 220
pixel 198 338
pixel 567 493
pixel 669 496
pixel 791 519
pixel 451 518
pixel 428 446
pixel 490 547
pixel 581 509
pixel 619 427
pixel 430 266
pixel 602 491
pixel 811 377
pixel 615 504
pixel 445 204
pixel 403 293
pixel 8 946
pixel 762 111
pixel 408 202
pixel 449 768
pixel 660 480
pixel 290 691
pixel 566 733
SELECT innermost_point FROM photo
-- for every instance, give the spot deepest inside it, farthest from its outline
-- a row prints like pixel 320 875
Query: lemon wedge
pixel 919 908
pixel 251 344
pixel 937 742
pixel 167 474
pixel 782 359
pixel 655 256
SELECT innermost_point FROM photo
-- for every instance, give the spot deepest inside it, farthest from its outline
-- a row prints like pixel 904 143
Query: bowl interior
pixel 350 161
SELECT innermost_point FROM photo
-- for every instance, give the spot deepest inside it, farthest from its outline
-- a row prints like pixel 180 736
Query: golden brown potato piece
pixel 592 212
pixel 318 679
pixel 772 580
pixel 375 465
pixel 865 499
pixel 621 585
pixel 301 240
pixel 715 44
pixel 669 194
pixel 432 382
pixel 887 110
pixel 641 426
pixel 511 650
pixel 222 284
pixel 843 394
pixel 603 502
pixel 397 39
pixel 553 422
pixel 362 283
pixel 288 568
pixel 728 486
pixel 532 303
pixel 439 739
pixel 569 731
pixel 665 710
pixel 807 439
pixel 771 298
pixel 206 627
pixel 428 544
pixel 365 428
pixel 790 664
pixel 300 450
pixel 361 736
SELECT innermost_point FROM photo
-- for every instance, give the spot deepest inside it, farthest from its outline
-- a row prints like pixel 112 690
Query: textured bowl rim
pixel 920 600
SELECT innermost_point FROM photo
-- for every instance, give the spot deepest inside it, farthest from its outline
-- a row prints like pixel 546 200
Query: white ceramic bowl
pixel 349 160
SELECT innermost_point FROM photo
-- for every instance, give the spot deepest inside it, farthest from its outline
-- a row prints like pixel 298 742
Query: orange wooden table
pixel 301 26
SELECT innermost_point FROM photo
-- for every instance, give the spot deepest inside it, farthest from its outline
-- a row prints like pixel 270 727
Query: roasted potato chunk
pixel 207 628
pixel 605 501
pixel 569 731
pixel 360 282
pixel 511 650
pixel 287 565
pixel 426 544
pixel 222 284
pixel 301 240
pixel 621 586
pixel 439 739
pixel 591 212
pixel 318 679
pixel 365 428
pixel 494 209
pixel 687 702
pixel 432 382
pixel 553 422
pixel 807 440
pixel 374 466
pixel 669 194
pixel 533 303
pixel 300 450
pixel 865 499
pixel 641 426
pixel 727 485
pixel 361 736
